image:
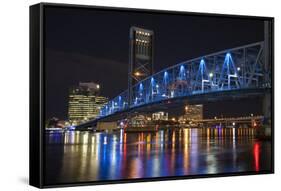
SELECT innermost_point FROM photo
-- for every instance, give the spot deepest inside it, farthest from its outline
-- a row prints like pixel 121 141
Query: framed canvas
pixel 122 95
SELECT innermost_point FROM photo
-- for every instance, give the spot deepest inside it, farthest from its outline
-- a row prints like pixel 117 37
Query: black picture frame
pixel 37 93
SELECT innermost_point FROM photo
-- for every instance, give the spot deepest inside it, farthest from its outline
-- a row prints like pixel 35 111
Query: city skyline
pixel 72 58
pixel 153 95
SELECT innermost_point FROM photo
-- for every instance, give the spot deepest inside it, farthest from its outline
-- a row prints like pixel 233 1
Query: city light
pixel 152 81
pixel 165 75
pixel 192 84
pixel 137 74
pixel 182 72
pixel 202 62
pixel 188 78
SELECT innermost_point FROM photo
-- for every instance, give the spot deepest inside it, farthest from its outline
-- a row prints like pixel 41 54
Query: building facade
pixel 140 56
pixel 191 113
pixel 85 102
pixel 161 115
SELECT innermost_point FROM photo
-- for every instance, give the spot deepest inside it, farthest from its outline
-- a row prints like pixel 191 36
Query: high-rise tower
pixel 140 56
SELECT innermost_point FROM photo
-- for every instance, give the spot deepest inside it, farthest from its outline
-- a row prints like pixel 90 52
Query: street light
pixel 238 69
pixel 211 75
pixel 137 74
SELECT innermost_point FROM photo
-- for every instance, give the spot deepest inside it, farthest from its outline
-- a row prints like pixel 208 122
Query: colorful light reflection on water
pixel 84 156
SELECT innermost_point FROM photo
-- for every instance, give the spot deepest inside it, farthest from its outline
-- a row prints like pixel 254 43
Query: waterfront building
pixel 191 113
pixel 85 102
pixel 160 116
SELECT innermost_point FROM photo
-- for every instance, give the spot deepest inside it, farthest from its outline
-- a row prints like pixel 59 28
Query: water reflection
pixel 84 156
pixel 256 156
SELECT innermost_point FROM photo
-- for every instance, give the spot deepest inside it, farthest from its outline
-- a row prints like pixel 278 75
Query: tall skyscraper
pixel 140 56
pixel 85 102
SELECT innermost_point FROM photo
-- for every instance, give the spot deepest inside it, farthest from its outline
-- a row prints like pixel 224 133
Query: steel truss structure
pixel 238 68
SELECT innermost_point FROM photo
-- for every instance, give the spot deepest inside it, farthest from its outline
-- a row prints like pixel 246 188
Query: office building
pixel 191 113
pixel 85 102
pixel 160 116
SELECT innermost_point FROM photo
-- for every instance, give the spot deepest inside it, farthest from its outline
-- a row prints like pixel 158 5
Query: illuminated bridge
pixel 237 71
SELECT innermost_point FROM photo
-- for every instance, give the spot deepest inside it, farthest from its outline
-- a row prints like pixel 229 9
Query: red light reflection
pixel 257 156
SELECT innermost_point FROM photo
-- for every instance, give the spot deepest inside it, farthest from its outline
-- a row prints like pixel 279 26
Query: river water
pixel 87 156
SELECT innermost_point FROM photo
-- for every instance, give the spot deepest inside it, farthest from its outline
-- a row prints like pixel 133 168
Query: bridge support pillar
pixel 267 125
pixel 267 106
pixel 267 50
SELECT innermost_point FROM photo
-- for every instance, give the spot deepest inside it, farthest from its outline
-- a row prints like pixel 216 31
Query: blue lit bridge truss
pixel 238 68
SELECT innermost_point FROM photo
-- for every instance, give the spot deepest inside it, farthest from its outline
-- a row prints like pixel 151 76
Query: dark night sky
pixel 84 45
